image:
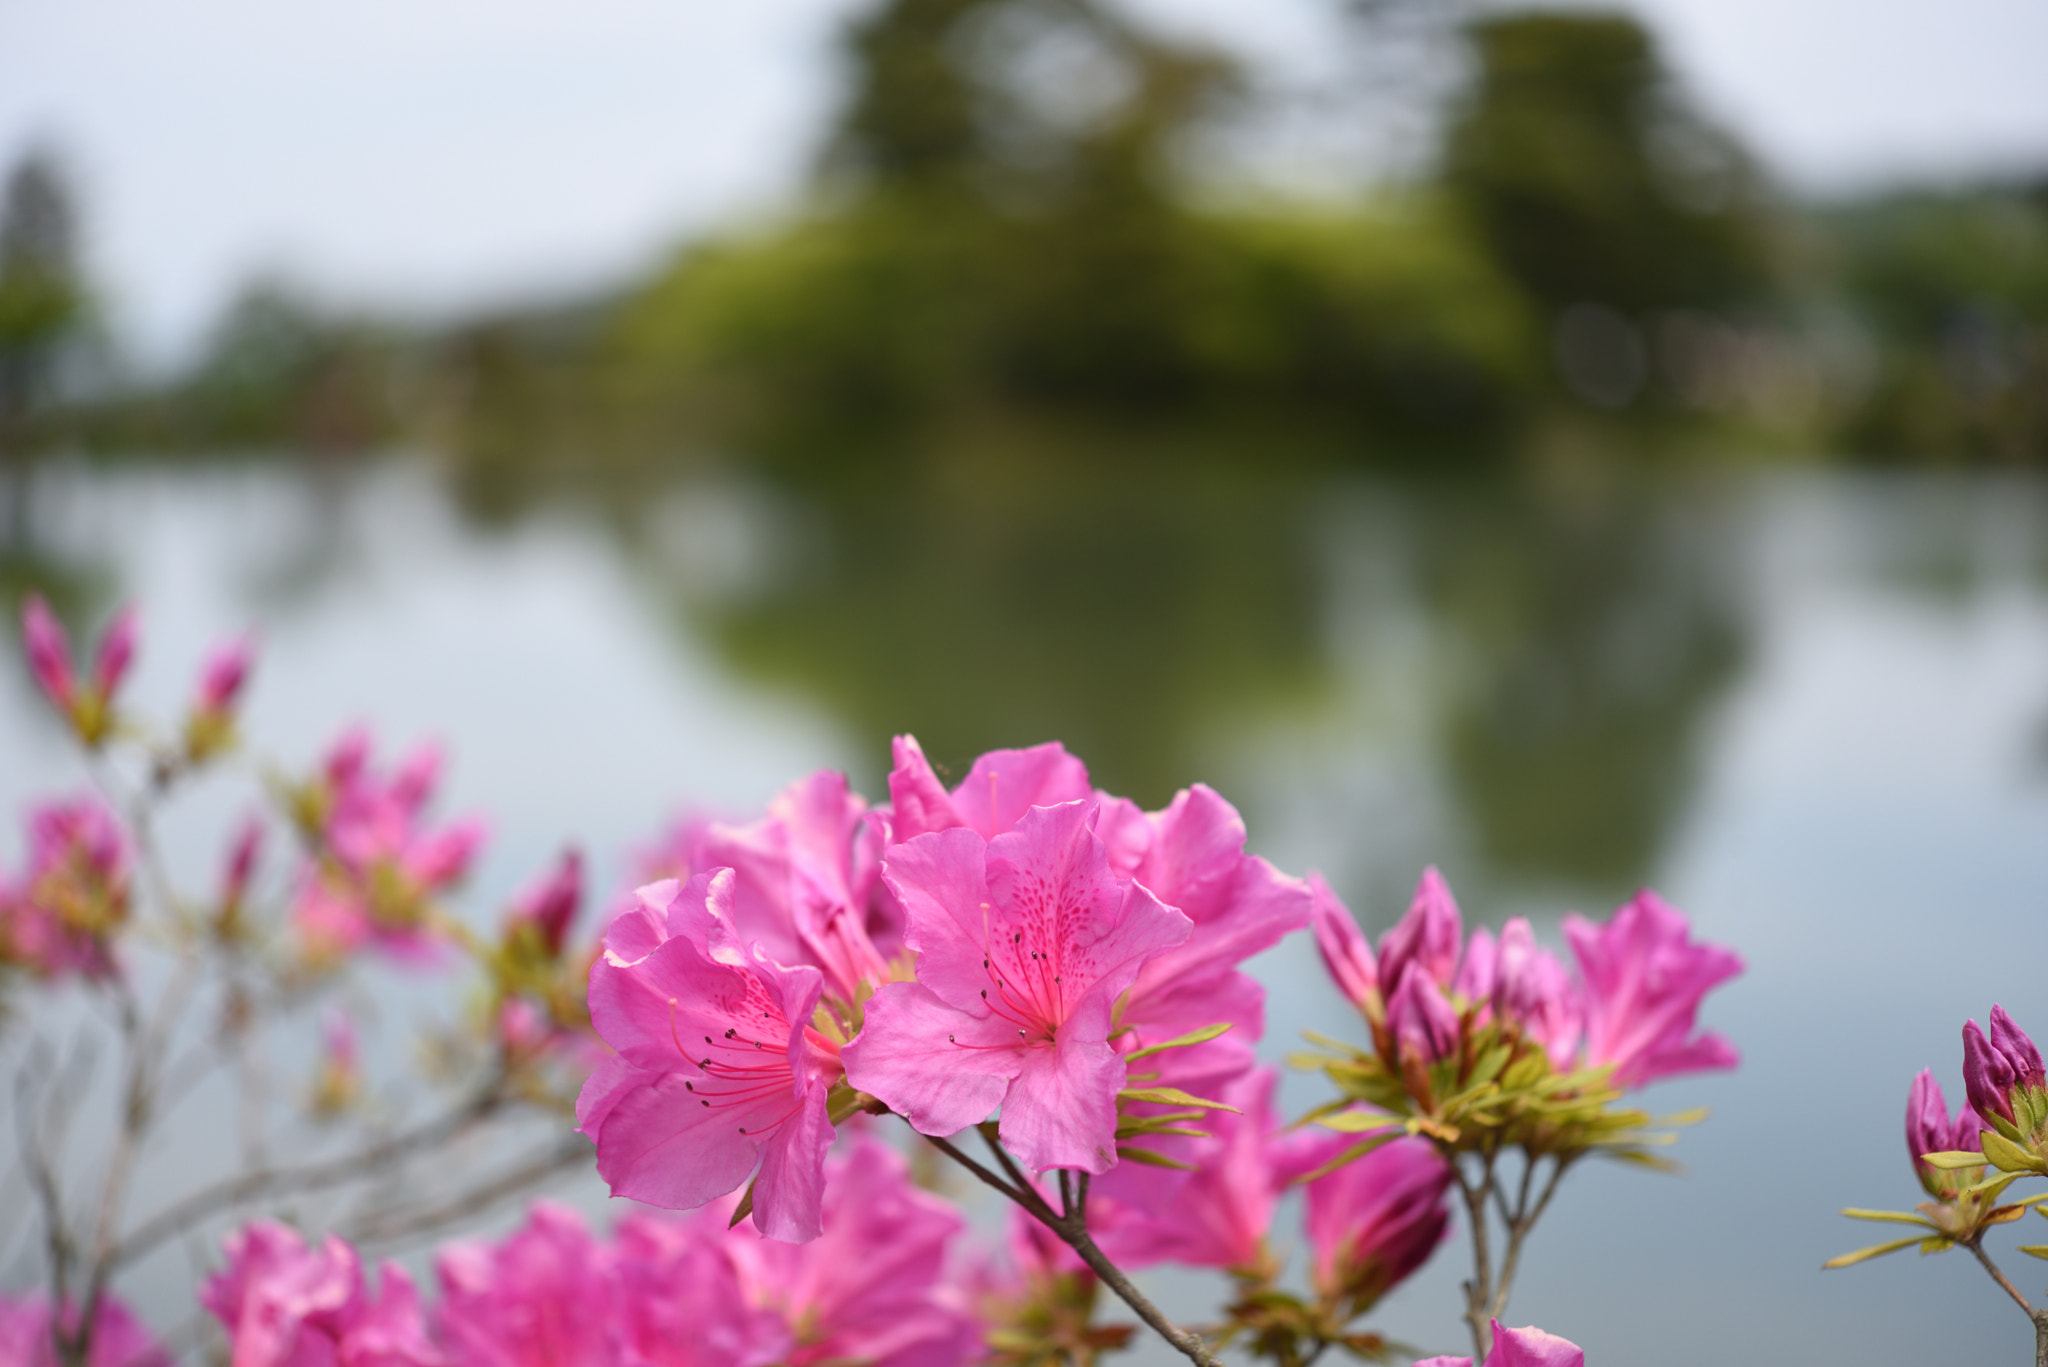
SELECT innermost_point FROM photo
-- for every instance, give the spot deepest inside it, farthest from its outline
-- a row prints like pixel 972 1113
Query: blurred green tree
pixel 42 307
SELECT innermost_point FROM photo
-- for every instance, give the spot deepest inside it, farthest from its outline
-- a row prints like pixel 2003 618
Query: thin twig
pixel 948 1148
pixel 1479 1290
pixel 1976 1246
pixel 1520 1228
pixel 397 1227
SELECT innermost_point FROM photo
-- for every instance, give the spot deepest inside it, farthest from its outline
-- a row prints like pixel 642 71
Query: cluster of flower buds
pixel 1480 1041
pixel 1016 944
pixel 88 703
pixel 378 867
pixel 61 916
pixel 886 1285
pixel 28 1335
pixel 1966 1164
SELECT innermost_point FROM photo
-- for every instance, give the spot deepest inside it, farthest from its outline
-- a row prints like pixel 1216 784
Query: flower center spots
pixel 747 1063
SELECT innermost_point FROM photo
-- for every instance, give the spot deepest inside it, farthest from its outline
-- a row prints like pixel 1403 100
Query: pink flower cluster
pixel 28 1335
pixel 1633 1006
pixel 995 948
pixel 60 917
pixel 379 864
pixel 879 1288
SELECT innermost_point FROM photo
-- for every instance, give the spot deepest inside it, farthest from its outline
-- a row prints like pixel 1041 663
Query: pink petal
pixel 1003 785
pixel 658 1143
pixel 789 1193
pixel 1531 1347
pixel 918 802
pixel 939 1068
pixel 1061 1110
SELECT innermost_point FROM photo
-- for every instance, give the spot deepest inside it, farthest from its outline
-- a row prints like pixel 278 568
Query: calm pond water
pixel 1811 709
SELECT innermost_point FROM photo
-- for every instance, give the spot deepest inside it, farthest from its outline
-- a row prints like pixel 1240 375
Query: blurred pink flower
pixel 1525 1347
pixel 1025 942
pixel 871 1289
pixel 379 867
pixel 1220 1215
pixel 89 709
pixel 550 904
pixel 119 1339
pixel 284 1304
pixel 73 897
pixel 1532 988
pixel 1645 977
pixel 1347 954
pixel 223 676
pixel 546 1296
pixel 49 652
pixel 681 1303
pixel 717 1070
pixel 1430 935
pixel 116 653
pixel 1374 1221
pixel 1424 1024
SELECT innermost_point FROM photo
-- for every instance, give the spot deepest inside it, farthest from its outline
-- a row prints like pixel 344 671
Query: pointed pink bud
pixel 1346 952
pixel 1929 1130
pixel 116 653
pixel 1424 1023
pixel 551 904
pixel 49 652
pixel 222 677
pixel 1430 934
pixel 242 857
pixel 414 782
pixel 1994 1068
pixel 1478 971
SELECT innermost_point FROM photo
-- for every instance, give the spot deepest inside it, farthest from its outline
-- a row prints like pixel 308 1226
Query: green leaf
pixel 1201 1036
pixel 1152 1160
pixel 1359 1122
pixel 1359 1150
pixel 1865 1254
pixel 1680 1119
pixel 2034 1250
pixel 1171 1096
pixel 2007 1156
pixel 1952 1160
pixel 1898 1217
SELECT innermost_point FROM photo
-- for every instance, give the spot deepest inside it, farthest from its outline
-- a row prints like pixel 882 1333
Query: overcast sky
pixel 434 153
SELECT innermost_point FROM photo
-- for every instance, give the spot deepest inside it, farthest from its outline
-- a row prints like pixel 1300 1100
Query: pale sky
pixel 431 154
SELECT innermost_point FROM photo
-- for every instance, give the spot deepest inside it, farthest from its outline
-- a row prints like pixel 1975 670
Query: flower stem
pixel 1070 1222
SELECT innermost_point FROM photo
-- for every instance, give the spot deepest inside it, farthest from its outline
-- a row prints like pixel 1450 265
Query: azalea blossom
pixel 872 1287
pixel 549 906
pixel 1000 788
pixel 1525 1347
pixel 1220 1214
pixel 119 1339
pixel 1533 989
pixel 1430 935
pixel 1025 942
pixel 379 866
pixel 544 1297
pixel 74 895
pixel 1929 1130
pixel 1645 977
pixel 680 1302
pixel 2001 1070
pixel 1373 1222
pixel 718 1072
pixel 284 1304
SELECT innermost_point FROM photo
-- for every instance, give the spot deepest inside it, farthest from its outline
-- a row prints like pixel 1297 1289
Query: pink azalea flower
pixel 1191 857
pixel 74 896
pixel 545 1297
pixel 1644 979
pixel 1929 1130
pixel 49 652
pixel 1025 942
pixel 287 1305
pixel 1345 950
pixel 1375 1221
pixel 717 1071
pixel 999 789
pixel 1220 1214
pixel 380 868
pixel 1525 1347
pixel 119 1339
pixel 807 883
pixel 1998 1068
pixel 681 1303
pixel 550 904
pixel 871 1289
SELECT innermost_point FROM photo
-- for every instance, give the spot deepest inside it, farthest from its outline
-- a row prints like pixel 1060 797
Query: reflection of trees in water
pixel 1597 638
pixel 1144 619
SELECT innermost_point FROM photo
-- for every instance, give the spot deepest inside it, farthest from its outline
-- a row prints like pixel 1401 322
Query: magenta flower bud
pixel 1999 1071
pixel 551 904
pixel 49 651
pixel 1533 990
pixel 1422 1019
pixel 1476 972
pixel 1345 950
pixel 224 674
pixel 1929 1130
pixel 242 857
pixel 1430 934
pixel 116 653
pixel 1374 1222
